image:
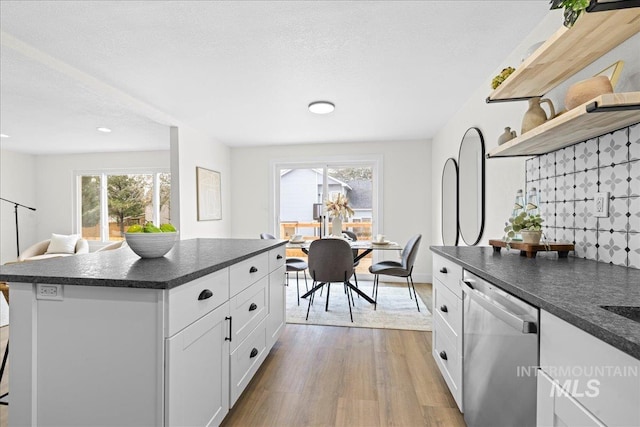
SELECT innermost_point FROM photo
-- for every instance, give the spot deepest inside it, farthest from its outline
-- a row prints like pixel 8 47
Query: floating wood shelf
pixel 603 114
pixel 568 51
pixel 530 250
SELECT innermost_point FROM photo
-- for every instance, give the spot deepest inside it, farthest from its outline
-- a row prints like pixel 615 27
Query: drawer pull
pixel 206 294
pixel 443 270
pixel 279 256
pixel 443 355
pixel 253 270
pixel 254 353
pixel 253 306
pixel 443 308
pixel 230 319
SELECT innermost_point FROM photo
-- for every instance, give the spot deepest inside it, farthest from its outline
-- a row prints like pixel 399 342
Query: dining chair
pixel 293 264
pixel 402 268
pixel 353 236
pixel 330 261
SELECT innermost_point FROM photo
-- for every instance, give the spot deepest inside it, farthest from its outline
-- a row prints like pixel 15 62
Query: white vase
pixel 532 237
pixel 336 226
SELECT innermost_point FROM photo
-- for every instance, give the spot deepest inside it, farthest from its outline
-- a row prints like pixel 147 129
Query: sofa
pixel 57 246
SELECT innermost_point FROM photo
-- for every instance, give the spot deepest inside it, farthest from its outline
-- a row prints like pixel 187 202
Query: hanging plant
pixel 572 9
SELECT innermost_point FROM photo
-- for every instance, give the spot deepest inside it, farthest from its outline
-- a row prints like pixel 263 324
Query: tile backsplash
pixel 567 180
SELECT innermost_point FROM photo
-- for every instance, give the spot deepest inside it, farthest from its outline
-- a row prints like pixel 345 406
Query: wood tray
pixel 530 250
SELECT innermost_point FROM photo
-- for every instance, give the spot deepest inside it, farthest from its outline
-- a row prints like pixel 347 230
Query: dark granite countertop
pixel 572 289
pixel 187 260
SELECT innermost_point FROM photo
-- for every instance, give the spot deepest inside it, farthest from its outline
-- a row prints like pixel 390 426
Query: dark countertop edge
pixel 620 342
pixel 139 284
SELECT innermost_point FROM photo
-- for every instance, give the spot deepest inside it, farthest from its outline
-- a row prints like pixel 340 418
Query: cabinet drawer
pixel 447 305
pixel 449 274
pixel 277 257
pixel 246 360
pixel 448 358
pixel 247 272
pixel 248 308
pixel 189 302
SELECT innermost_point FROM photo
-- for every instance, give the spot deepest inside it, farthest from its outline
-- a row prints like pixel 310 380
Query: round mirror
pixel 471 186
pixel 450 203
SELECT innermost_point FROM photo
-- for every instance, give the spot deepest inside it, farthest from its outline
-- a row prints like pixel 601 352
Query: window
pixel 109 202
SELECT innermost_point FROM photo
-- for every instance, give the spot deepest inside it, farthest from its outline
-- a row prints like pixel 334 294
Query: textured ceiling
pixel 243 73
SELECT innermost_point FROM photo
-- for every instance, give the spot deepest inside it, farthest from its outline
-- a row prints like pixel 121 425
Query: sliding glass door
pixel 302 189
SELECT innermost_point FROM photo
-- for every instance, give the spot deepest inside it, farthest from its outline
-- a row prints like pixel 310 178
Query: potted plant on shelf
pixel 529 226
pixel 572 9
pixel 339 209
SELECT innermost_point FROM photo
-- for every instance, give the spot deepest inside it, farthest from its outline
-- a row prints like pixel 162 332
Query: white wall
pixel 505 176
pixel 55 183
pixel 17 183
pixel 194 149
pixel 406 190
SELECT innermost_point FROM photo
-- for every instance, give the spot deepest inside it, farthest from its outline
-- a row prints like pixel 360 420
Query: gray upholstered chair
pixel 293 265
pixel 404 268
pixel 113 245
pixel 330 261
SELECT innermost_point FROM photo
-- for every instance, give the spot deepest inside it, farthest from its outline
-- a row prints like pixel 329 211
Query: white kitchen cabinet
pixel 197 360
pixel 556 407
pixel 276 319
pixel 598 381
pixel 447 334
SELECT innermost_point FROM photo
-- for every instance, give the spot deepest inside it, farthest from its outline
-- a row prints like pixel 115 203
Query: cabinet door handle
pixel 253 269
pixel 443 355
pixel 230 319
pixel 206 294
pixel 279 256
pixel 254 353
pixel 253 306
pixel 443 270
pixel 443 308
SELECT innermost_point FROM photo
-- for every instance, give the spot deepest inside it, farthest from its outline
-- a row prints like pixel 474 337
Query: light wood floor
pixel 335 376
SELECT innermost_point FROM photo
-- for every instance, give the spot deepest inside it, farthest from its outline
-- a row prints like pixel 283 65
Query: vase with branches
pixel 338 208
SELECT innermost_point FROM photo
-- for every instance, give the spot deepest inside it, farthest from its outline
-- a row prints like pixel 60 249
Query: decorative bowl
pixel 585 90
pixel 151 245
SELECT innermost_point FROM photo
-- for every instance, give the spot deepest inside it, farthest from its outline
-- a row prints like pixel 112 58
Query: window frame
pixel 104 207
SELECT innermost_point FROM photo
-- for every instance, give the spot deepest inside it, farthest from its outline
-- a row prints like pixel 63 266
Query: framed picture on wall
pixel 209 194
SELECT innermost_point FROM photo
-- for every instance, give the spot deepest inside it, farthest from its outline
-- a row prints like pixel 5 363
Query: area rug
pixel 395 309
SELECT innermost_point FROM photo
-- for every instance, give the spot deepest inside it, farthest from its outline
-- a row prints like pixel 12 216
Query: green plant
pixel 497 80
pixel 572 9
pixel 521 222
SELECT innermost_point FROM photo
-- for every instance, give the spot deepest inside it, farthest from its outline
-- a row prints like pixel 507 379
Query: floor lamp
pixel 15 209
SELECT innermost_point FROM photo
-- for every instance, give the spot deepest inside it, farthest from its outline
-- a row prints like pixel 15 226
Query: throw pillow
pixel 62 244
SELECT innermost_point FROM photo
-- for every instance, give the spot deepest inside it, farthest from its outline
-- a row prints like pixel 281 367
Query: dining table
pixel 364 247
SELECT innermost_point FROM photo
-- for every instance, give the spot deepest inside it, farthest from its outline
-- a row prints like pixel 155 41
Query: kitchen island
pixel 111 339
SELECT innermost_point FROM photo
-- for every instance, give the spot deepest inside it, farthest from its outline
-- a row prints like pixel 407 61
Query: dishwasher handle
pixel 516 322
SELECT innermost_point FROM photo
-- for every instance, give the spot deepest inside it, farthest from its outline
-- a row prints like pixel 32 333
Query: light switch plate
pixel 601 205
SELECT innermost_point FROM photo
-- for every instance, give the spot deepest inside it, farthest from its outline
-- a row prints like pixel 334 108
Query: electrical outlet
pixel 601 205
pixel 50 292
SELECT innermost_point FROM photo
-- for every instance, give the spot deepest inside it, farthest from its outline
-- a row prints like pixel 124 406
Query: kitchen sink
pixel 629 312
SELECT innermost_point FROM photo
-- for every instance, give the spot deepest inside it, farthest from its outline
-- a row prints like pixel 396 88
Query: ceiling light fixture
pixel 321 107
pixel 104 130
pixel 4 135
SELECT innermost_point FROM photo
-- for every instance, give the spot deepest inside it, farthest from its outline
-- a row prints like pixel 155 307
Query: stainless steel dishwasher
pixel 500 353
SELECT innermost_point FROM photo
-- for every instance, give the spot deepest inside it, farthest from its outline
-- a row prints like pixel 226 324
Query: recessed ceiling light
pixel 4 135
pixel 104 130
pixel 321 107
